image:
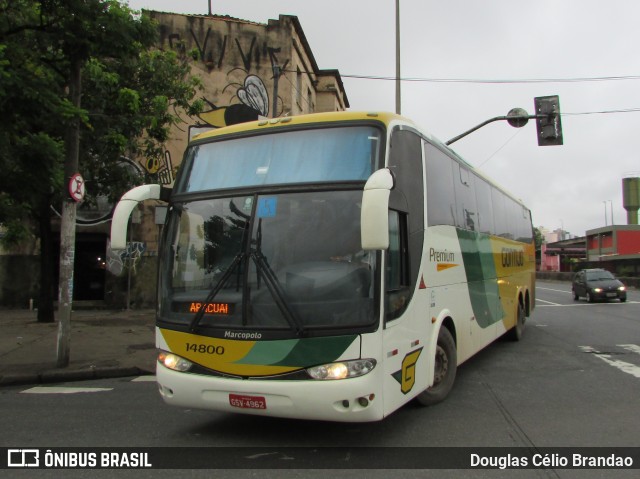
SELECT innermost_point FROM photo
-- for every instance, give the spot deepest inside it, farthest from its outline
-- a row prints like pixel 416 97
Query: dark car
pixel 597 284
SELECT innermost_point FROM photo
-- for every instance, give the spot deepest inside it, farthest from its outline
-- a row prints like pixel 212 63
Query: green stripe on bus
pixel 268 353
pixel 480 269
pixel 312 351
pixel 298 352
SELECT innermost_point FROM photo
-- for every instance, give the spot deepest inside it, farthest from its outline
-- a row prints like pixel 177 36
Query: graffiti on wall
pixel 160 170
pixel 213 56
pixel 254 103
pixel 119 261
pixel 246 90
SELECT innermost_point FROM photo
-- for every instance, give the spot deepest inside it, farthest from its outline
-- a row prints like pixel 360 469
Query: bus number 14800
pixel 205 348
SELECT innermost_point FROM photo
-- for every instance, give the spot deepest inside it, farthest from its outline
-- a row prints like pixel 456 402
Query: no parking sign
pixel 76 188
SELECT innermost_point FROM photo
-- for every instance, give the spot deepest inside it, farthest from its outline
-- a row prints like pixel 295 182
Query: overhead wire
pixel 499 149
pixel 494 81
pixel 500 81
pixel 489 80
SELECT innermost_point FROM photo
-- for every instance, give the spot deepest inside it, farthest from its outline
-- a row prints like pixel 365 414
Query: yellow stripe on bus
pixel 218 354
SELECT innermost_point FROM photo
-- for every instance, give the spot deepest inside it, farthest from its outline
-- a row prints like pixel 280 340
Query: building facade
pixel 249 71
pixel 560 256
pixel 615 248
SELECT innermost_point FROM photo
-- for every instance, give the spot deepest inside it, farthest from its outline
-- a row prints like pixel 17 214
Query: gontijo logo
pixel 512 257
pixel 445 259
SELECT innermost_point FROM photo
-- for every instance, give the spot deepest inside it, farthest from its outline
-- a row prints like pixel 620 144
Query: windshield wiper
pixel 274 287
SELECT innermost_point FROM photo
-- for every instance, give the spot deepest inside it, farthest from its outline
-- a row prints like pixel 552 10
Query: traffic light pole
pixel 497 118
pixel 547 119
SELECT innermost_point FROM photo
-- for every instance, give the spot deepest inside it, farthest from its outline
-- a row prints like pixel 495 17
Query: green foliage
pixel 539 239
pixel 128 100
pixel 130 96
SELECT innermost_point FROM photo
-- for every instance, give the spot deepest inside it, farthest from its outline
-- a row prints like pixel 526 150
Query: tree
pixel 539 239
pixel 129 97
pixel 31 146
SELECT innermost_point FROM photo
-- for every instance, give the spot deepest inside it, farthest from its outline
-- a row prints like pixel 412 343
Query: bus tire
pixel 445 367
pixel 515 333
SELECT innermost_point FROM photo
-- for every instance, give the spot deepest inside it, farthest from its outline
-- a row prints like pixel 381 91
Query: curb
pixel 57 376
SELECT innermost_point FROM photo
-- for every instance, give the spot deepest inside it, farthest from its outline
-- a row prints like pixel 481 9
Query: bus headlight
pixel 173 361
pixel 343 369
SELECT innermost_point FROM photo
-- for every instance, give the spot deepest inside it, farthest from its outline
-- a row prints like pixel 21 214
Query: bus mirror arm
pixel 125 206
pixel 374 216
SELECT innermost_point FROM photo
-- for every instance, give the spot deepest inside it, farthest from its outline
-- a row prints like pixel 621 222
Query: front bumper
pixel 347 400
pixel 606 295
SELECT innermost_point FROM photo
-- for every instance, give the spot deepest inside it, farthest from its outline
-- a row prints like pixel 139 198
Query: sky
pixel 466 61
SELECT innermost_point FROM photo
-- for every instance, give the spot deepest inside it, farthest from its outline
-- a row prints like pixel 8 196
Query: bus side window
pixel 467 217
pixel 441 193
pixel 397 266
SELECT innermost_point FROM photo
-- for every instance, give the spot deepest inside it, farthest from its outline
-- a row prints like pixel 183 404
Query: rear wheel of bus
pixel 444 375
pixel 515 333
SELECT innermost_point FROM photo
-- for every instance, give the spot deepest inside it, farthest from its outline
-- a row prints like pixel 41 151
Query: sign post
pixel 76 189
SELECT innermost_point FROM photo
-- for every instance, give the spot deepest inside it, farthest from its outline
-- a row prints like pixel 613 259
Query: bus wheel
pixel 444 374
pixel 515 333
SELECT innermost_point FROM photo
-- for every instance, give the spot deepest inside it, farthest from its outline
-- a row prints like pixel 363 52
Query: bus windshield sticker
pixel 267 207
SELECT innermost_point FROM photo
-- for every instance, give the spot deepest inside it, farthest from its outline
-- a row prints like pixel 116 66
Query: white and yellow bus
pixel 330 266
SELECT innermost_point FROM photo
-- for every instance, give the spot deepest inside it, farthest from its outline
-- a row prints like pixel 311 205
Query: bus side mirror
pixel 123 210
pixel 374 216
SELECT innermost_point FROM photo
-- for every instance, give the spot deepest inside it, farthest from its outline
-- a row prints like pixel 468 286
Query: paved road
pixel 574 381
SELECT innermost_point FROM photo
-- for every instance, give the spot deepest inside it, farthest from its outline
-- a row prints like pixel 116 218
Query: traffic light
pixel 548 120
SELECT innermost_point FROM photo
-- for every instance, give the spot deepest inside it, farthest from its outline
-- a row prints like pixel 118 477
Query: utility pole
pixel 398 100
pixel 611 204
pixel 68 223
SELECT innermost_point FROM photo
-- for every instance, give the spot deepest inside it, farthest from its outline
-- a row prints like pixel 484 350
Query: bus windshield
pixel 288 261
pixel 348 153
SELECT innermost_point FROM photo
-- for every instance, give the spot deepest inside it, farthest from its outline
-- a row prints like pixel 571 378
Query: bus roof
pixel 329 117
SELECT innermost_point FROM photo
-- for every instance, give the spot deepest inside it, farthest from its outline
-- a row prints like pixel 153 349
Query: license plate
pixel 247 402
pixel 612 295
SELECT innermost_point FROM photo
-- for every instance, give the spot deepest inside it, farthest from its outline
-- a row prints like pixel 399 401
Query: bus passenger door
pixel 405 319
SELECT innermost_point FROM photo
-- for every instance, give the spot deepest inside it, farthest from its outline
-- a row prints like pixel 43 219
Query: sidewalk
pixel 103 344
